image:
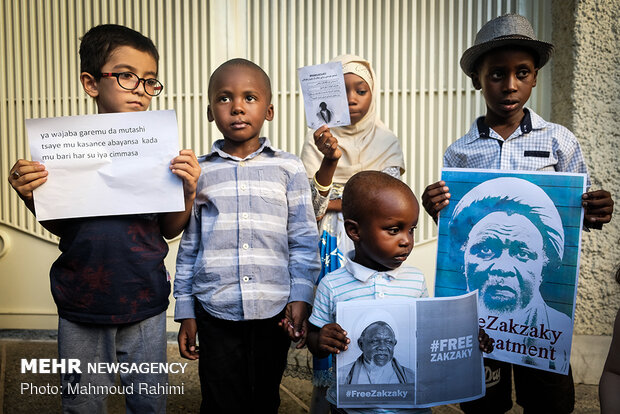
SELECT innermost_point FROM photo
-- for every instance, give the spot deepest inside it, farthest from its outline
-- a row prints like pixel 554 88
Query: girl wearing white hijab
pixel 331 157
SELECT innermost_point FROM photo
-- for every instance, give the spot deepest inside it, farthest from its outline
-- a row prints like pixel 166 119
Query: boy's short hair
pixel 244 63
pixel 508 31
pixel 100 41
pixel 361 191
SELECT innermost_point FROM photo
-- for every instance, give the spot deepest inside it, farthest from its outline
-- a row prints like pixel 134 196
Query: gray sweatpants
pixel 137 343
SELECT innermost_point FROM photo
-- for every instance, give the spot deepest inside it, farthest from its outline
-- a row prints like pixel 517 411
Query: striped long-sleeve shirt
pixel 251 243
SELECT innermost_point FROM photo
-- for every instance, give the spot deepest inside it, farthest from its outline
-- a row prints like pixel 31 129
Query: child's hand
pixel 295 322
pixel 598 207
pixel 25 176
pixel 187 339
pixel 327 143
pixel 185 165
pixel 435 198
pixel 486 343
pixel 333 339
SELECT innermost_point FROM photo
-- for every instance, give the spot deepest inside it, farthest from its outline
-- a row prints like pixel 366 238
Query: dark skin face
pixel 382 242
pixel 503 260
pixel 239 103
pixel 359 97
pixel 377 344
pixel 506 78
pixel 384 237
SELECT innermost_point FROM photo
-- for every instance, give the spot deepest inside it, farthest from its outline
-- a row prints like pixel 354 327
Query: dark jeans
pixel 241 363
pixel 335 410
pixel 537 391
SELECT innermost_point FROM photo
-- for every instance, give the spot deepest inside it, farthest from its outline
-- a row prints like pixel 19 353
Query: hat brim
pixel 471 55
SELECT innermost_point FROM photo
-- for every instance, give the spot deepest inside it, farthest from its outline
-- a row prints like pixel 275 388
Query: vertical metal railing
pixel 414 46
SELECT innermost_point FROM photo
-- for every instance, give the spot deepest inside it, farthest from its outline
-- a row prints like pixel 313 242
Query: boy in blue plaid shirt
pixel 503 65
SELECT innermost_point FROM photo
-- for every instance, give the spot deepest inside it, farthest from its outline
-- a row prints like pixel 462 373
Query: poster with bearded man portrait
pixel 516 238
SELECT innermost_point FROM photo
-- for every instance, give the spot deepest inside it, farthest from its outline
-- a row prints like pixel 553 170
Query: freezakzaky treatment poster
pixel 515 237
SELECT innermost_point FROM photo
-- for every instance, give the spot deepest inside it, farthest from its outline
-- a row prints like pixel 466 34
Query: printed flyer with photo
pixel 325 96
pixel 409 353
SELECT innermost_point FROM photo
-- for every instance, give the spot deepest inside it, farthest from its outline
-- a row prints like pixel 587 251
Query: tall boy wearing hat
pixel 503 65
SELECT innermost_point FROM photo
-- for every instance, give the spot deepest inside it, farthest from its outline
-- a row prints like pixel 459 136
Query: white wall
pixel 414 46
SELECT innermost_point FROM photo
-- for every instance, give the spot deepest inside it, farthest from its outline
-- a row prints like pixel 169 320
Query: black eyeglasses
pixel 130 81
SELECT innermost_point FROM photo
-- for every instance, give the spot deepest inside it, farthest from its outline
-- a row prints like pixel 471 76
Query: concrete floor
pixel 295 393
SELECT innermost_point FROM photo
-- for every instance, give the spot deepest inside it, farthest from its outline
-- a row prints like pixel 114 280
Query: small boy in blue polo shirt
pixel 381 213
pixel 503 64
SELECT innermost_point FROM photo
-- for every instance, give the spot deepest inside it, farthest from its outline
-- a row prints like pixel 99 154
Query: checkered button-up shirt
pixel 536 145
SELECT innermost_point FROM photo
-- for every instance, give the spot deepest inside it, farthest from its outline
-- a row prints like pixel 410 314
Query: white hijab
pixel 367 145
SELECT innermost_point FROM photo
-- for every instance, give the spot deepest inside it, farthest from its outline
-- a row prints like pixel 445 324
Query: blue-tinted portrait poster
pixel 516 237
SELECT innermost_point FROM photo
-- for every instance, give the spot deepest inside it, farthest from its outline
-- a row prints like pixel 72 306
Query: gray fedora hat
pixel 509 29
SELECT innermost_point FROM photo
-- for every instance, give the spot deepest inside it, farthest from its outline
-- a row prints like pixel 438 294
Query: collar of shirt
pixel 531 121
pixel 363 273
pixel 265 144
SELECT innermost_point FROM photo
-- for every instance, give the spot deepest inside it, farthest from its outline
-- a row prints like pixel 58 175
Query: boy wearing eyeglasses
pixel 110 284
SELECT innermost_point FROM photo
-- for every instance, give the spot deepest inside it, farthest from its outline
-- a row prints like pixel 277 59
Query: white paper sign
pixel 106 164
pixel 325 96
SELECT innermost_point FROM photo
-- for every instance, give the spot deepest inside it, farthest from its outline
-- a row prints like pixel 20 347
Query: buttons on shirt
pixel 243 187
pixel 245 246
pixel 245 215
pixel 242 164
pixel 246 278
pixel 378 285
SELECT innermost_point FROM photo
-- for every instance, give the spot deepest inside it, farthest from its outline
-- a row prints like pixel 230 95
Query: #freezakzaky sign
pixel 407 353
